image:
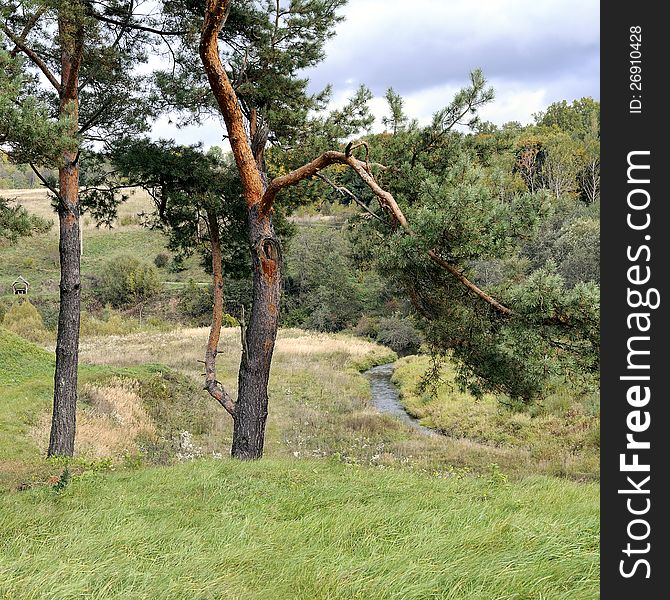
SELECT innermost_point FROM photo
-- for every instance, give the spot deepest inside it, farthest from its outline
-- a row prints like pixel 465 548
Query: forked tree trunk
pixel 63 422
pixel 251 408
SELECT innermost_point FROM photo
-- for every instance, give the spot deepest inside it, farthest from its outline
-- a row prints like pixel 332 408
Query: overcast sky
pixel 533 52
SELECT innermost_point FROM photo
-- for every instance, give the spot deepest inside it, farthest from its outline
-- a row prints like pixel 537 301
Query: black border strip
pixel 634 547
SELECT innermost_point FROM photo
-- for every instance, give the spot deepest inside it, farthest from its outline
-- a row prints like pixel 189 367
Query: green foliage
pixel 27 130
pixel 16 222
pixel 323 290
pixel 398 119
pixel 480 202
pixel 125 281
pixel 25 320
pixel 195 303
pixel 581 118
pixel 568 241
pixel 187 185
pixel 266 48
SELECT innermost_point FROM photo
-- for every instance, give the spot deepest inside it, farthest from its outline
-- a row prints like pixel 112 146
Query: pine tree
pixel 67 85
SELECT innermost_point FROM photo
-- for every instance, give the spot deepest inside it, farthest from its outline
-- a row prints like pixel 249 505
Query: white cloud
pixel 533 52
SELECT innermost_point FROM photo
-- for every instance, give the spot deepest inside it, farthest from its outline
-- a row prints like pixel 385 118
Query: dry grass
pixel 110 423
pixel 319 405
pixel 36 201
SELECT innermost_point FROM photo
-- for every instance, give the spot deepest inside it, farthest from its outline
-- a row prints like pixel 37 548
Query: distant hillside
pixel 21 360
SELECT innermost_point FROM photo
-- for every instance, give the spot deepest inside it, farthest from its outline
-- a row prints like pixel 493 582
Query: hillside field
pixel 347 503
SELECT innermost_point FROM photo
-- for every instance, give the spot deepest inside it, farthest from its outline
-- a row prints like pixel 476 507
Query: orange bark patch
pixel 269 268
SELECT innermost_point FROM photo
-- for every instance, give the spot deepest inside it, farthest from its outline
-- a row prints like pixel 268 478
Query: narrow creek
pixel 386 398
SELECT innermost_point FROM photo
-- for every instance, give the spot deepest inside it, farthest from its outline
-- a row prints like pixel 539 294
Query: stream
pixel 386 398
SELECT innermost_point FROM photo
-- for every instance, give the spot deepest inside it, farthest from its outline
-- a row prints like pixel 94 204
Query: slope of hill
pixel 299 529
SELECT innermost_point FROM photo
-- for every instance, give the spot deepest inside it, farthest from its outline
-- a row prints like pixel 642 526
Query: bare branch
pixel 296 176
pixel 212 385
pixel 45 183
pixel 32 55
pixel 458 273
pixel 347 192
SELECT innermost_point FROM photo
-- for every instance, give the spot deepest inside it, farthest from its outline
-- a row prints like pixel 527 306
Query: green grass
pixel 36 258
pixel 299 530
pixel 562 435
pixel 386 513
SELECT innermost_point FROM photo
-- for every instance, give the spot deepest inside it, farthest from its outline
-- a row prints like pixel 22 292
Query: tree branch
pixel 128 24
pixel 212 385
pixel 45 183
pixel 296 176
pixel 386 200
pixel 347 192
pixel 28 28
pixel 32 55
pixel 458 273
pixel 215 17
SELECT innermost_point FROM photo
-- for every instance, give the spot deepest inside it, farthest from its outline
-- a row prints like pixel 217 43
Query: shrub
pixel 229 321
pixel 367 327
pixel 126 280
pixel 399 335
pixel 25 320
pixel 195 303
pixel 48 309
pixel 161 260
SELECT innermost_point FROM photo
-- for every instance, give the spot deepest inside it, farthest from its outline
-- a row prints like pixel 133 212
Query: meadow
pixel 347 503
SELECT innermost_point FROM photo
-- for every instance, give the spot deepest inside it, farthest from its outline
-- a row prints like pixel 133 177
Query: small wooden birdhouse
pixel 20 286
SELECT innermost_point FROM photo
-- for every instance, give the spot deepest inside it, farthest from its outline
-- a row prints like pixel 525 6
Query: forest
pixel 332 356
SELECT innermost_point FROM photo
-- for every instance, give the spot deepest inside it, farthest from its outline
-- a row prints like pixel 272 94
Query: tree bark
pixel 251 408
pixel 212 385
pixel 63 422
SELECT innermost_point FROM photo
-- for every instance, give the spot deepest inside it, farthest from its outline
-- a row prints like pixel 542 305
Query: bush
pixel 367 327
pixel 48 309
pixel 113 323
pixel 399 335
pixel 25 320
pixel 161 260
pixel 127 281
pixel 195 303
pixel 229 321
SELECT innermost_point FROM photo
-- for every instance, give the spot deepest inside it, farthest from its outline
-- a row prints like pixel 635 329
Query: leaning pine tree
pixel 251 54
pixel 68 83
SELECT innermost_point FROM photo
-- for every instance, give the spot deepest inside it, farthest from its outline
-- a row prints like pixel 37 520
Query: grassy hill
pixel 384 515
pixel 36 258
pixel 289 529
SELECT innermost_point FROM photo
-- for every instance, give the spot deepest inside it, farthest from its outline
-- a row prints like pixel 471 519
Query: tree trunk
pixel 63 421
pixel 67 346
pixel 251 408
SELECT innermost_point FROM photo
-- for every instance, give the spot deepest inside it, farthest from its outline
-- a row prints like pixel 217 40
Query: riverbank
pixel 560 436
